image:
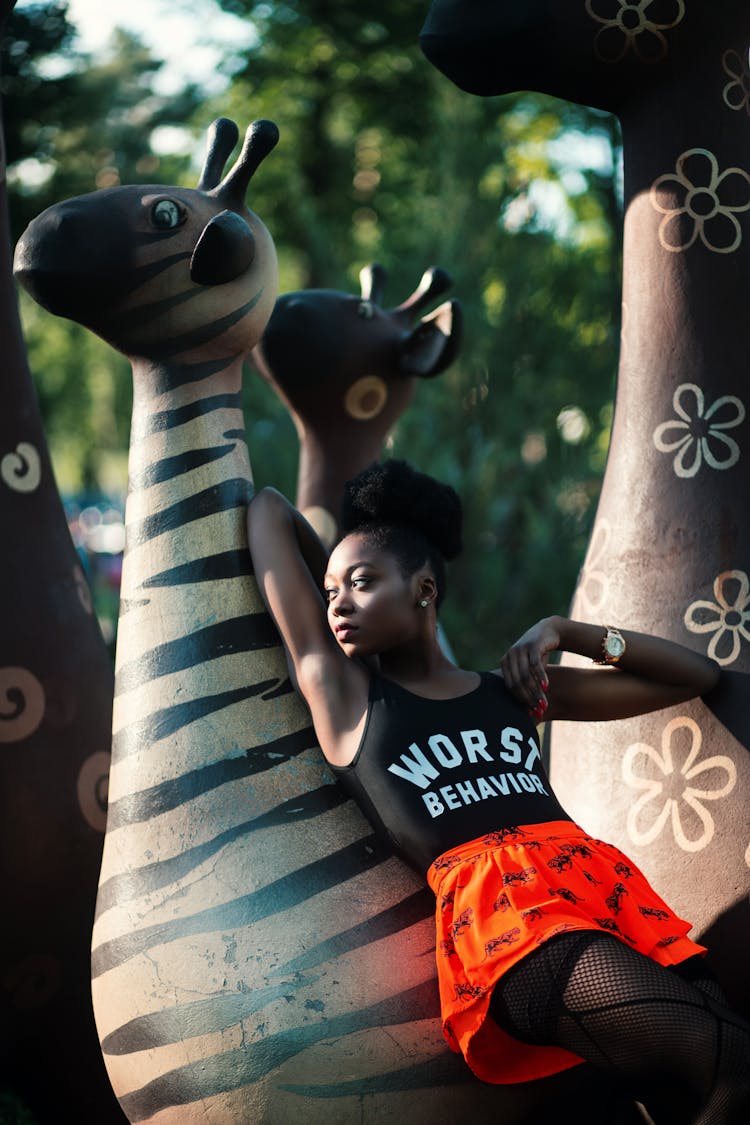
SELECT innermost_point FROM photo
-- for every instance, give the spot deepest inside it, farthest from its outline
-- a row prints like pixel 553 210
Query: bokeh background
pixel 380 159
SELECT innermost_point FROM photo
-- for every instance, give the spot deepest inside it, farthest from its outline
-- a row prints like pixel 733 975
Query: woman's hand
pixel 652 673
pixel 523 665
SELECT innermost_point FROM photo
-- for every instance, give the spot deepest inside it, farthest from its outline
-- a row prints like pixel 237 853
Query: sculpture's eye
pixel 166 214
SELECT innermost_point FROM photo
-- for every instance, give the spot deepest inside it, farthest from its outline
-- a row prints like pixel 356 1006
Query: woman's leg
pixel 698 973
pixel 593 995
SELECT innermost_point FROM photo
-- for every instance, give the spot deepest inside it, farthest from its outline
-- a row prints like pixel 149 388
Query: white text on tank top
pixel 427 767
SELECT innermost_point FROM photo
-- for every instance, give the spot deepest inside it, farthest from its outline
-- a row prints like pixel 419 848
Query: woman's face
pixel 371 605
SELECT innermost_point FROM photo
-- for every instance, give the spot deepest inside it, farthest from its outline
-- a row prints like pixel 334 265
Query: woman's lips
pixel 345 631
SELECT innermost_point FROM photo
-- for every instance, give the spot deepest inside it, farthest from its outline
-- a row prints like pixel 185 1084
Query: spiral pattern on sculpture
pixel 22 704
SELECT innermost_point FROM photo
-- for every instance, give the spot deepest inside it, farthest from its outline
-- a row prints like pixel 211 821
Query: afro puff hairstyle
pixel 413 516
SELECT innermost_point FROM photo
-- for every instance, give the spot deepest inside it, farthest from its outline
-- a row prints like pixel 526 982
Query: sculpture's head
pixel 332 355
pixel 597 52
pixel 164 273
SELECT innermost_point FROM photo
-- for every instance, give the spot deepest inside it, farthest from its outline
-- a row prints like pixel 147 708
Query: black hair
pixel 413 516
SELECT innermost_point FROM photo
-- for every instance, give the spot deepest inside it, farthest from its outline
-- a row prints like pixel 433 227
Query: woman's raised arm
pixel 652 673
pixel 289 563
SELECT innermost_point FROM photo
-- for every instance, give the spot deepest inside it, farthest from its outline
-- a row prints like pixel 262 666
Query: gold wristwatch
pixel 613 646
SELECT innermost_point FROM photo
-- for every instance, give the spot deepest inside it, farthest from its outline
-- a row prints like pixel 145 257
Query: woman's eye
pixel 360 581
pixel 166 214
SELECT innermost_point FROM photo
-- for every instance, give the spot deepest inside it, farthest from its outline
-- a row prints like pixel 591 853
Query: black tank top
pixel 430 774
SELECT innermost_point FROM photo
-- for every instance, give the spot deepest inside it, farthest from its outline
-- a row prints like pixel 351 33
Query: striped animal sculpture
pixel 257 957
pixel 56 683
pixel 347 369
pixel 670 549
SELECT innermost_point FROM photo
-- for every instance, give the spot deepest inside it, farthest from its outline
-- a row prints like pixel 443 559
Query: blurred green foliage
pixel 380 159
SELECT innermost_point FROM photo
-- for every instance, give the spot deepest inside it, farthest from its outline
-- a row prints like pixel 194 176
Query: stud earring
pixel 424 603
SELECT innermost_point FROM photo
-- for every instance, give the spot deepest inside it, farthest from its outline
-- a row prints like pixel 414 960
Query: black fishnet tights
pixel 679 1049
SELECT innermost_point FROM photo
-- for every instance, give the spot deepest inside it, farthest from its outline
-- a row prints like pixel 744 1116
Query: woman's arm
pixel 653 673
pixel 289 563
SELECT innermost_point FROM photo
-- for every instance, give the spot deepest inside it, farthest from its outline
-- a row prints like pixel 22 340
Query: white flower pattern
pixel 728 617
pixel 697 434
pixel 653 772
pixel 593 583
pixel 708 203
pixel 635 27
pixel 736 93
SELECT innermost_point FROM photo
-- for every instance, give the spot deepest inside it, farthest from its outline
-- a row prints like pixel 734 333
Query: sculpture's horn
pixel 222 137
pixel 260 138
pixel 433 343
pixel 434 282
pixel 372 281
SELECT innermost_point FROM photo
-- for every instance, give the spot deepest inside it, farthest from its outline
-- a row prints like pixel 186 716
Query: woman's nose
pixel 341 604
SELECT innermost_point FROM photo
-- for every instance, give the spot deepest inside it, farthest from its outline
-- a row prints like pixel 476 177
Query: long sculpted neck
pixel 686 274
pixel 326 463
pixel 186 549
pixel 677 435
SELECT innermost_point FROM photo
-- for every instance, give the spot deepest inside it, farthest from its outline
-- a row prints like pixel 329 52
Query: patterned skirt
pixel 500 896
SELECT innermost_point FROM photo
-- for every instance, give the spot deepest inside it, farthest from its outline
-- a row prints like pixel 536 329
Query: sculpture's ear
pixel 432 344
pixel 225 249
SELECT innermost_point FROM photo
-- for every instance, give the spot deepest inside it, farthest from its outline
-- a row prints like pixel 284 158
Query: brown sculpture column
pixel 670 549
pixel 56 682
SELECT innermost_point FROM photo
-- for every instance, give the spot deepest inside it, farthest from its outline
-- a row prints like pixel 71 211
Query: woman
pixel 552 948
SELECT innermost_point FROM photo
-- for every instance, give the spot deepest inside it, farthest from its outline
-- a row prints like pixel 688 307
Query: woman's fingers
pixel 523 666
pixel 524 675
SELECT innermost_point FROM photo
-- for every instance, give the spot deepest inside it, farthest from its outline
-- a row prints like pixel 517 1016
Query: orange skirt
pixel 500 896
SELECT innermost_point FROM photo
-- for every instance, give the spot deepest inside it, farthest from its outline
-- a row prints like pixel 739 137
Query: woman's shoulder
pixel 332 680
pixel 338 705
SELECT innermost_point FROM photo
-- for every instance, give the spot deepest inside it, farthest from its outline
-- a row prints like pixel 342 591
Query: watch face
pixel 615 645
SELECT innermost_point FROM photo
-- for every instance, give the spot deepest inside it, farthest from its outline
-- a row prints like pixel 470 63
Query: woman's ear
pixel 426 591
